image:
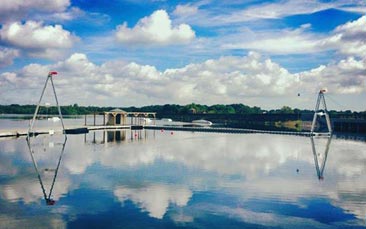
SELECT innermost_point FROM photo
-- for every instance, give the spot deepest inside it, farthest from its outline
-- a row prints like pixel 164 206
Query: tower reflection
pixel 47 197
pixel 320 159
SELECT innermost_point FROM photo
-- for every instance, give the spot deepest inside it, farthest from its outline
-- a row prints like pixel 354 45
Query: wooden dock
pixel 86 129
pixel 12 133
pixel 233 130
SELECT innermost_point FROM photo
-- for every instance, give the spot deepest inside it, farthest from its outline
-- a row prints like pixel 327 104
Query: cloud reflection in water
pixel 166 170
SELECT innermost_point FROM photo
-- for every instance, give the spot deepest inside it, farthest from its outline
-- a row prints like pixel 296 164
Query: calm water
pixel 159 179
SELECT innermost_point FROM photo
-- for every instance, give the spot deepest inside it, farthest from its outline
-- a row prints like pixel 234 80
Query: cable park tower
pixel 319 112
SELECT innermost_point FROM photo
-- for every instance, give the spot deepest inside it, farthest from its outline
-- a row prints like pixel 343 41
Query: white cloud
pixel 353 27
pixel 33 192
pixel 155 199
pixel 185 10
pixel 225 80
pixel 66 15
pixel 278 42
pixel 262 11
pixel 74 13
pixel 7 56
pixel 37 39
pixel 361 9
pixel 19 9
pixel 348 76
pixel 155 29
pixel 349 38
pixel 275 10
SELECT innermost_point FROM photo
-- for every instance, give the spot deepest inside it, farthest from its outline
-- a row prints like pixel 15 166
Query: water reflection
pixel 320 157
pixel 154 198
pixel 188 179
pixel 47 197
pixel 109 136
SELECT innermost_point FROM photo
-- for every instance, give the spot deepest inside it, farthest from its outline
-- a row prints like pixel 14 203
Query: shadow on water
pixel 47 197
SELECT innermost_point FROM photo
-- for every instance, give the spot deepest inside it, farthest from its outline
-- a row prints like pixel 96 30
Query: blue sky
pixel 136 52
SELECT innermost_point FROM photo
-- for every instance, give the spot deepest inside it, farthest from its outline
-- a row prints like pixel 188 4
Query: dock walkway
pixel 86 129
pixel 14 133
pixel 233 130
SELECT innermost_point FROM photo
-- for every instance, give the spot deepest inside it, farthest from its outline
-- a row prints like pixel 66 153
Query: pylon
pixel 321 110
pixel 49 79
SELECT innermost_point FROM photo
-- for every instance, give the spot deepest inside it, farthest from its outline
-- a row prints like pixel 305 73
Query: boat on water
pixel 201 122
pixel 145 120
pixel 54 119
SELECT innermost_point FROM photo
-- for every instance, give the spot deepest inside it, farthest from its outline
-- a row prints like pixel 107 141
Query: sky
pixel 135 53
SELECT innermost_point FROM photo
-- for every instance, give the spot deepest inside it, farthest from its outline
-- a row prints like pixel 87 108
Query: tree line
pixel 167 109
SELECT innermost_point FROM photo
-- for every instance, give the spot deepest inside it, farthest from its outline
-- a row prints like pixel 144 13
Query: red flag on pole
pixel 52 73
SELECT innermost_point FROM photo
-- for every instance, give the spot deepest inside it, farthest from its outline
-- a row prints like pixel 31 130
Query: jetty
pixel 234 130
pixel 12 133
pixel 87 129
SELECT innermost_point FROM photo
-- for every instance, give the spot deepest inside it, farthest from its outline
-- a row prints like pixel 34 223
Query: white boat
pixel 145 120
pixel 201 122
pixel 54 119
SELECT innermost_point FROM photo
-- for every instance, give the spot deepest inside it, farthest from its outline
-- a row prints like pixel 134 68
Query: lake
pixel 164 179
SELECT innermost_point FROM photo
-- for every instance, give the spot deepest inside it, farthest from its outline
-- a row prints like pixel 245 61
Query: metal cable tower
pixel 49 78
pixel 321 110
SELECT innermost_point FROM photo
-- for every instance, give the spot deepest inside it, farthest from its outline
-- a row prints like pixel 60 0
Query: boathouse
pixel 120 117
pixel 115 117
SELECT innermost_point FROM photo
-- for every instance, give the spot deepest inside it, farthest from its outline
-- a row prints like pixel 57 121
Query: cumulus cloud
pixel 14 10
pixel 348 76
pixel 349 38
pixel 7 56
pixel 155 29
pixel 225 80
pixel 37 39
